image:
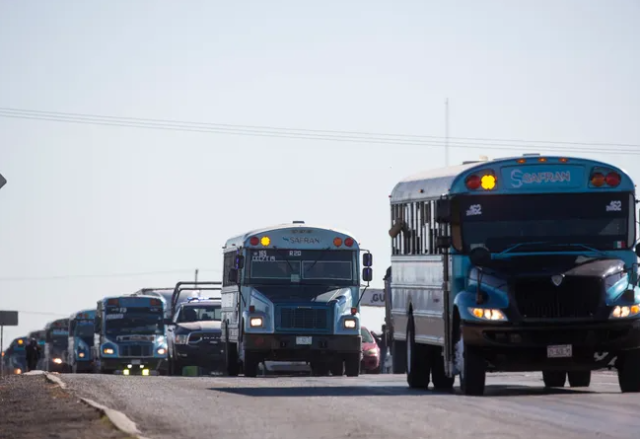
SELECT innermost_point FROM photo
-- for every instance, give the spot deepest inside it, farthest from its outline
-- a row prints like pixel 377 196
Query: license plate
pixel 135 361
pixel 303 340
pixel 560 351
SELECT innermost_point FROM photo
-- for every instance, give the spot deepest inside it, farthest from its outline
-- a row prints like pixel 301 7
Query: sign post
pixel 7 318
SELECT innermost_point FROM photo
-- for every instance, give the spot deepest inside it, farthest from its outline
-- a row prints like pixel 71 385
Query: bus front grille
pixel 574 298
pixel 303 319
pixel 136 350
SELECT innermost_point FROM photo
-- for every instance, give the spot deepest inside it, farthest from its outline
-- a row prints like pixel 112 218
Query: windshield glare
pixel 366 336
pixel 599 220
pixel 306 266
pixel 200 313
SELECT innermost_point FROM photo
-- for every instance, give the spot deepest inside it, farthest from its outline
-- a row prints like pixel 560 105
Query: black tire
pixel 232 366
pixel 579 378
pixel 352 365
pixel 337 368
pixel 474 369
pixel 250 365
pixel 554 378
pixel 399 356
pixel 440 379
pixel 628 365
pixel 418 361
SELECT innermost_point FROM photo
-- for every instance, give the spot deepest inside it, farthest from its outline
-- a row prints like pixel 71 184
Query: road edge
pixel 118 419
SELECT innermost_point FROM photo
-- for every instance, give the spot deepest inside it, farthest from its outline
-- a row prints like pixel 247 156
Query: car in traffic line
pixel 370 352
pixel 194 336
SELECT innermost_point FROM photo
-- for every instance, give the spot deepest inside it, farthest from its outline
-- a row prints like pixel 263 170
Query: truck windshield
pixel 324 267
pixel 132 323
pixel 603 221
pixel 200 313
pixel 60 341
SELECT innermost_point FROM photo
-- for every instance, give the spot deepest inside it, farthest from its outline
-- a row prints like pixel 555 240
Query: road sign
pixel 3 181
pixel 373 297
pixel 8 318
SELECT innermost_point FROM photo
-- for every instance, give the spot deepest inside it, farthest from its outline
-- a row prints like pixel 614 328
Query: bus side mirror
pixel 367 274
pixel 367 260
pixel 443 211
pixel 638 250
pixel 239 262
pixel 233 275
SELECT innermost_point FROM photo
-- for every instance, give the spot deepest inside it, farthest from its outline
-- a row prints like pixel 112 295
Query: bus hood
pixel 204 325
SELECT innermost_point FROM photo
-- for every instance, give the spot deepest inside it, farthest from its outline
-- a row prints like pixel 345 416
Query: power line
pixel 104 275
pixel 326 135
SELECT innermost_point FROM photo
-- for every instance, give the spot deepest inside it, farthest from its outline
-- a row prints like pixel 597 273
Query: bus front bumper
pixel 552 346
pixel 150 363
pixel 302 347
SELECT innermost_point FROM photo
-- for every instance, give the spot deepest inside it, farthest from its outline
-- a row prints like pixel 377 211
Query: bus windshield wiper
pixel 284 257
pixel 322 255
pixel 524 244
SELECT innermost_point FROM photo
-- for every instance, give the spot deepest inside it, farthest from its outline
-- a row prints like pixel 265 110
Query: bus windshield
pixel 319 267
pixel 84 329
pixel 599 220
pixel 134 323
pixel 200 313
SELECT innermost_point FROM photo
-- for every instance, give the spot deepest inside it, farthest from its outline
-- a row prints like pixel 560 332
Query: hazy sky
pixel 86 200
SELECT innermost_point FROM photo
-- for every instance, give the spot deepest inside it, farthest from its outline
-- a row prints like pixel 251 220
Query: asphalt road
pixel 373 406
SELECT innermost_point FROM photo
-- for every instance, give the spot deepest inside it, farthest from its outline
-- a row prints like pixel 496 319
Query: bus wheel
pixel 250 366
pixel 232 367
pixel 628 365
pixel 472 367
pixel 352 364
pixel 440 379
pixel 337 368
pixel 554 378
pixel 579 378
pixel 418 364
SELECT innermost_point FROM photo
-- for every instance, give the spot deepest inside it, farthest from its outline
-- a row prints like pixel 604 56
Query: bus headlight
pixel 487 314
pixel 255 322
pixel 108 351
pixel 621 312
pixel 162 351
pixel 349 323
pixel 81 354
pixel 57 360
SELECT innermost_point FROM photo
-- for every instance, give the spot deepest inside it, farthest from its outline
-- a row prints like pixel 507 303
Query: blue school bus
pixel 15 357
pixel 291 293
pixel 80 351
pixel 56 345
pixel 130 335
pixel 516 264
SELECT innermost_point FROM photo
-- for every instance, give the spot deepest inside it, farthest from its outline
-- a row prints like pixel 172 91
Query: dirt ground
pixel 33 408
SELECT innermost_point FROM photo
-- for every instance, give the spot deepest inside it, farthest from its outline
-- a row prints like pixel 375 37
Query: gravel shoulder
pixel 31 407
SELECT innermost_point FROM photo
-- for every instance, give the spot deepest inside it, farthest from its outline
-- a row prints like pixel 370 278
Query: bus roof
pixel 132 295
pixel 57 322
pixel 240 240
pixel 437 182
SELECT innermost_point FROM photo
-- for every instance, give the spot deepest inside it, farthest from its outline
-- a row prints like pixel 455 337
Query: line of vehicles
pixel 518 264
pixel 290 293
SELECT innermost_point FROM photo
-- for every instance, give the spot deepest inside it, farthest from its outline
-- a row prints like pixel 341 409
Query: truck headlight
pixel 57 360
pixel 162 351
pixel 108 351
pixel 487 314
pixel 349 323
pixel 81 354
pixel 621 312
pixel 255 322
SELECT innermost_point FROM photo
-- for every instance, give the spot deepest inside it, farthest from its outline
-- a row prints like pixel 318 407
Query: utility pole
pixel 446 132
pixel 196 275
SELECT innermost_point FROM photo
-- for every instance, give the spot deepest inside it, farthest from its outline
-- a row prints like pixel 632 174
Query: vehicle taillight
pixel 613 179
pixel 473 182
pixel 597 179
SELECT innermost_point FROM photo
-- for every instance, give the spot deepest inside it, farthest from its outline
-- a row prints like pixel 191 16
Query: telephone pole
pixel 446 132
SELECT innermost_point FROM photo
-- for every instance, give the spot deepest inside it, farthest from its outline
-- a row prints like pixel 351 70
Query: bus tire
pixel 232 366
pixel 554 378
pixel 440 379
pixel 251 365
pixel 472 367
pixel 579 378
pixel 352 364
pixel 628 365
pixel 418 361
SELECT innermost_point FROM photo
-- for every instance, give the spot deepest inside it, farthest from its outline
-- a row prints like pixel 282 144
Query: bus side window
pixel 229 263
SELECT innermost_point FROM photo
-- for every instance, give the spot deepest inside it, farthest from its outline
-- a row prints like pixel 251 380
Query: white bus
pixel 291 293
